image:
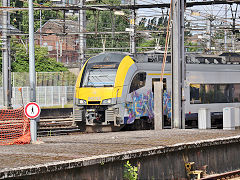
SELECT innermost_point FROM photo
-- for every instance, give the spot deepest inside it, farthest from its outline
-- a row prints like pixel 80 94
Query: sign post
pixel 32 111
pixel 32 73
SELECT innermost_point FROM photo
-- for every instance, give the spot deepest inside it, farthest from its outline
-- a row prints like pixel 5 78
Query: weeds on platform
pixel 49 133
pixel 130 172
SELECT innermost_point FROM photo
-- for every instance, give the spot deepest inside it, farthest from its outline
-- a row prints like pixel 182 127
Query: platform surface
pixel 61 148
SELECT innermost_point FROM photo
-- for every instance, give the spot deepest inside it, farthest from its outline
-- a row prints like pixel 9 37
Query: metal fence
pixel 54 89
pixel 46 96
pixel 21 79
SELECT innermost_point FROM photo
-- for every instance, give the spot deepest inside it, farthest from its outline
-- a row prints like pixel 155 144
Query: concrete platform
pixel 74 151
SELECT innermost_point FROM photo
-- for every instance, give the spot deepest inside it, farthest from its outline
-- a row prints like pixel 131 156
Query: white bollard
pixel 228 118
pixel 204 119
pixel 63 102
pixel 237 117
pixel 158 105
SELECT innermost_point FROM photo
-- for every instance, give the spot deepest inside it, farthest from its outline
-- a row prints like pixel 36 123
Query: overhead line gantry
pixel 120 7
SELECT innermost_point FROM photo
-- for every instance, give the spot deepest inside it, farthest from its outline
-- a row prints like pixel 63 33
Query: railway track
pixel 234 175
pixel 56 126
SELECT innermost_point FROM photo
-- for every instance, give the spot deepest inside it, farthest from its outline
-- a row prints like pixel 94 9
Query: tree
pixel 20 59
pixel 153 24
pixel 191 47
pixel 1 63
pixel 147 43
pixel 105 21
pixel 19 19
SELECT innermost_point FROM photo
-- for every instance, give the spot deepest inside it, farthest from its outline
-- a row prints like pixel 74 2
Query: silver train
pixel 115 90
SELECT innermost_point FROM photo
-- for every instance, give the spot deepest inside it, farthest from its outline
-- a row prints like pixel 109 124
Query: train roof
pixel 108 57
pixel 191 67
pixel 157 66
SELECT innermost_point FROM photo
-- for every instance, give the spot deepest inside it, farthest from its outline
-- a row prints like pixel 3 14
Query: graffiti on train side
pixel 167 111
pixel 142 105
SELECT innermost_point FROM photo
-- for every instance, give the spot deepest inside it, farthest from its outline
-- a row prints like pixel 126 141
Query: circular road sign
pixel 32 110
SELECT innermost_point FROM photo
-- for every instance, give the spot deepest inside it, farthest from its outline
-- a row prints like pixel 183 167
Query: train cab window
pixel 158 80
pixel 101 74
pixel 138 81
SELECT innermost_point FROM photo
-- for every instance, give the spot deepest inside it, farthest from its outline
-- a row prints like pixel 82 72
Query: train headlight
pixel 81 101
pixel 107 101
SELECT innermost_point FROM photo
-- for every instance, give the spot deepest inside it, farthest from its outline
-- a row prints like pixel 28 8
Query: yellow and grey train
pixel 113 90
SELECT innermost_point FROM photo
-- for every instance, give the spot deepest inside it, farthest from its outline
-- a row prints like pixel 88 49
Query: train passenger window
pixel 138 81
pixel 214 93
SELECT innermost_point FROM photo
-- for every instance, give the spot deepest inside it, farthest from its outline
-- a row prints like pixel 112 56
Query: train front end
pixel 99 93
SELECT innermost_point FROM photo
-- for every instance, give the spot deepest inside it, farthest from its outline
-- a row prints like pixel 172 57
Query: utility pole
pixel 82 36
pixel 40 28
pixel 32 73
pixel 104 43
pixel 209 33
pixel 225 31
pixel 6 61
pixel 178 58
pixel 234 16
pixel 133 30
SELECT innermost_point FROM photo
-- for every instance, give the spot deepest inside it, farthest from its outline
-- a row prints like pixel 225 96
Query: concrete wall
pixel 167 163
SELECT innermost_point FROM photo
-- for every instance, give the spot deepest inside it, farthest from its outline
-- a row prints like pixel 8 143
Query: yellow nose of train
pixel 101 80
pixel 94 95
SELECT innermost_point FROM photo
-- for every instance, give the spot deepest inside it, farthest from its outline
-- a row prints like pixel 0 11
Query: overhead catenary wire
pixel 120 7
pixel 138 35
pixel 166 42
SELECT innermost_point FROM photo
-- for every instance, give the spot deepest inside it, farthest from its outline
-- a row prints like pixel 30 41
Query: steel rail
pixel 231 174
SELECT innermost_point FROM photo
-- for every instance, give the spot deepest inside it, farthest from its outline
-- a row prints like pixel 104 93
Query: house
pixel 61 39
pixel 11 28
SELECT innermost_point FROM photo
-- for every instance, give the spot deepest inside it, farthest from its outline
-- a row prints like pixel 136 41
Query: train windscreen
pixel 100 75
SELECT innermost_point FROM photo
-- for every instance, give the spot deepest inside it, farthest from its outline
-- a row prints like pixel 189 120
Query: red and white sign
pixel 32 110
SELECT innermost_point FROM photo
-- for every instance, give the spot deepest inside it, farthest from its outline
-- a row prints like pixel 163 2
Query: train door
pixel 166 102
pixel 158 80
